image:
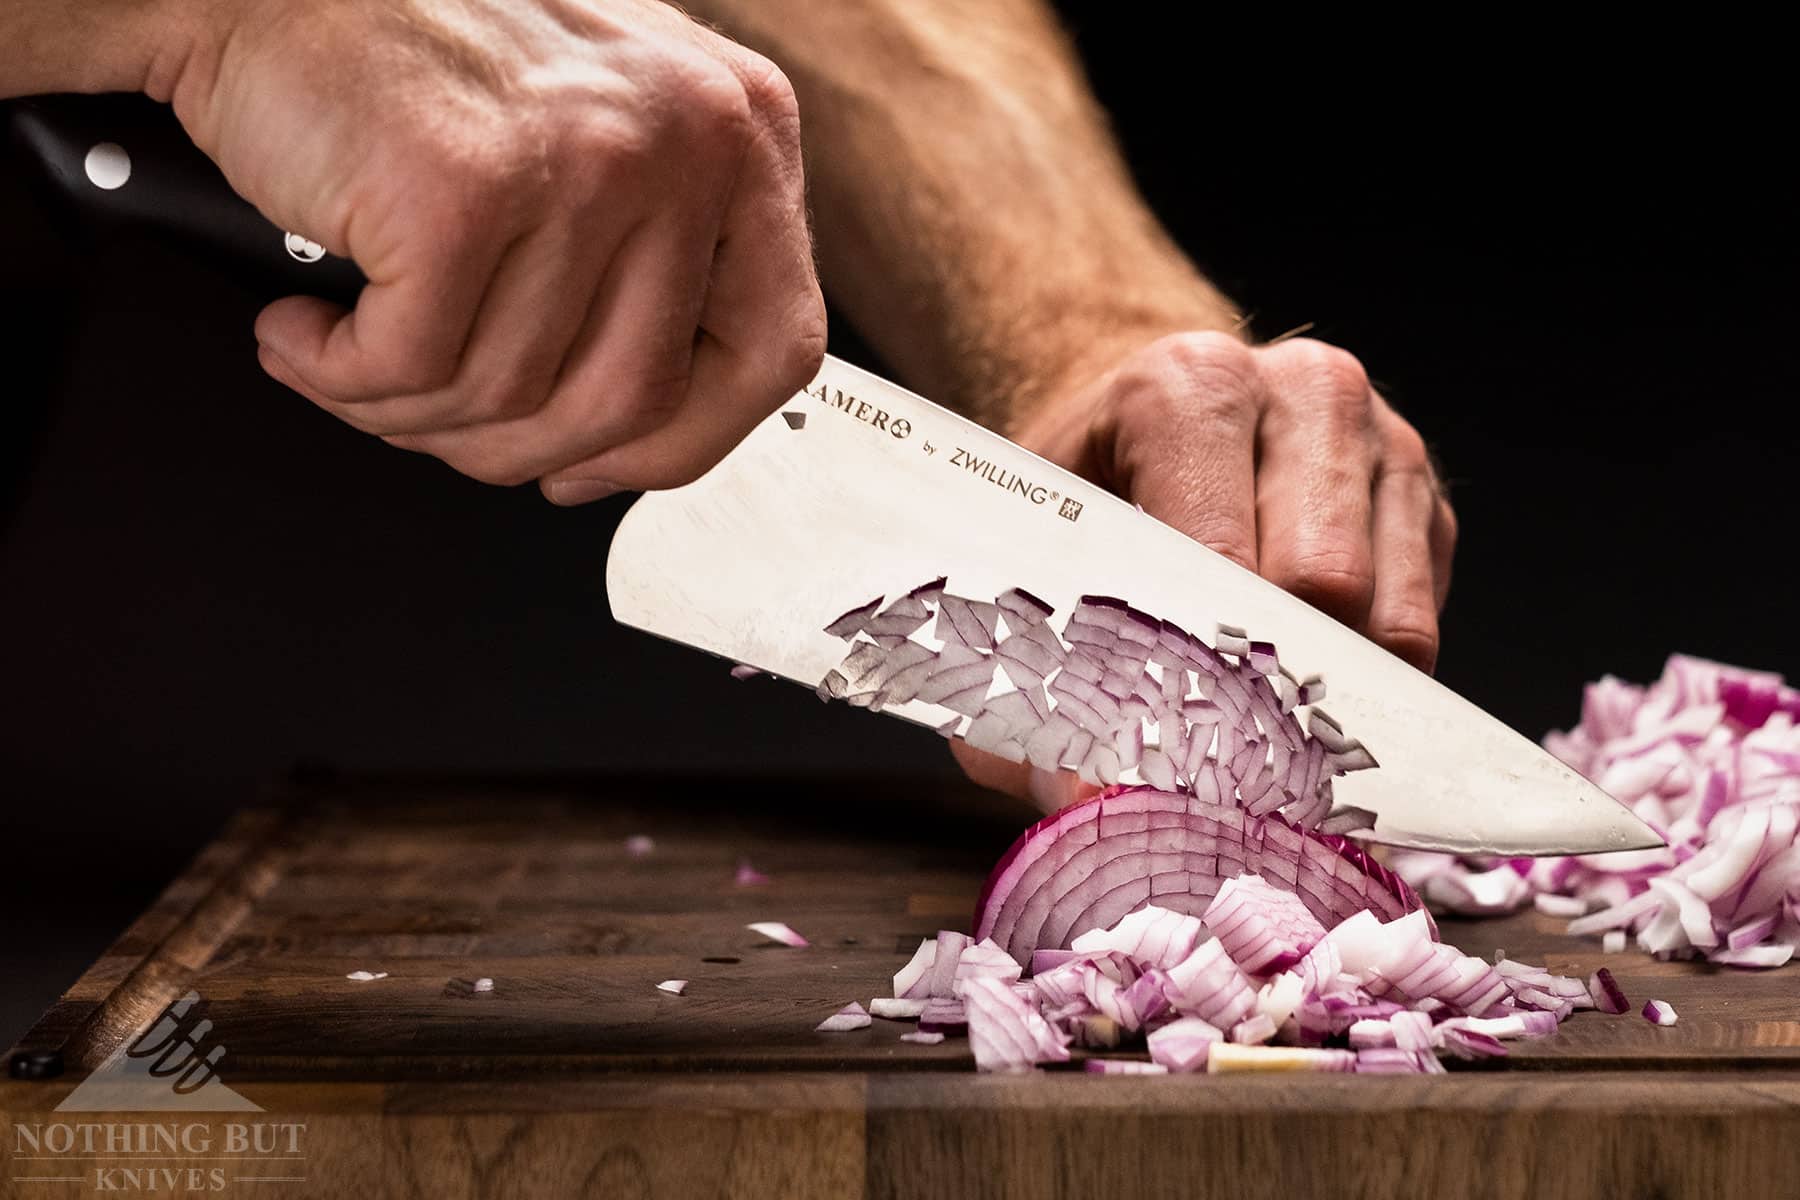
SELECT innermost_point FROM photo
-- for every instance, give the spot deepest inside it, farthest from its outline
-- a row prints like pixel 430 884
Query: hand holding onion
pixel 1284 459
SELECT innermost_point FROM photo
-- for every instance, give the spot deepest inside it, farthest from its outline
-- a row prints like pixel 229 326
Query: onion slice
pixel 851 1016
pixel 777 931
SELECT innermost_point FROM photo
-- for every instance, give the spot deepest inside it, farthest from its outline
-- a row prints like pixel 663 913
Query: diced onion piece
pixel 1659 1012
pixel 1613 942
pixel 747 875
pixel 640 845
pixel 922 1038
pixel 913 981
pixel 366 976
pixel 1609 997
pixel 851 1016
pixel 484 984
pixel 1553 905
pixel 777 931
pixel 983 958
pixel 741 671
pixel 672 986
pixel 1184 1044
pixel 896 1009
pixel 1005 1033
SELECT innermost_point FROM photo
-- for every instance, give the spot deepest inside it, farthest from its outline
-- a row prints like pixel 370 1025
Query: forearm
pixel 973 215
pixel 93 45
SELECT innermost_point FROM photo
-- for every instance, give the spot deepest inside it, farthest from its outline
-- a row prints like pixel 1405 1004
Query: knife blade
pixel 858 487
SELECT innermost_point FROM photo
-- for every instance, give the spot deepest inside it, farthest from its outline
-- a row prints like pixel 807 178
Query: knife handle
pixel 121 164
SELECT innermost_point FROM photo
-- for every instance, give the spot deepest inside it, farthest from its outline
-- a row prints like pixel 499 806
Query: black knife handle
pixel 122 164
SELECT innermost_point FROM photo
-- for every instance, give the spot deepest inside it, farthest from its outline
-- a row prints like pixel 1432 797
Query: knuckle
pixel 1413 636
pixel 1342 372
pixel 771 93
pixel 1336 581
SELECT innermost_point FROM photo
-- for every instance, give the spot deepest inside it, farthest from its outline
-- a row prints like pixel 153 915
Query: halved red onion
pixel 777 931
pixel 1659 1012
pixel 1092 863
pixel 1005 1033
pixel 851 1016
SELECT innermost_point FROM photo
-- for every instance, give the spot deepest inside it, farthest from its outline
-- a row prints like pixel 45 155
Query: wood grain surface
pixel 574 1076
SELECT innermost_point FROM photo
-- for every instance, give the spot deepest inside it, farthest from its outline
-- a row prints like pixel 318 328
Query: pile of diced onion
pixel 1708 756
pixel 1256 983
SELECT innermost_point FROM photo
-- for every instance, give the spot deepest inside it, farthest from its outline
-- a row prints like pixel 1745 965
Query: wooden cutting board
pixel 574 1076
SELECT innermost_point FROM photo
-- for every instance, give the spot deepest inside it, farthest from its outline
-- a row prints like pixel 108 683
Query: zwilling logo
pixel 172 1066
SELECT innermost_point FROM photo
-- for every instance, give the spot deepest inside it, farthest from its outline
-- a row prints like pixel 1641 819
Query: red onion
pixel 1609 997
pixel 776 931
pixel 747 875
pixel 897 1009
pixel 672 986
pixel 639 845
pixel 1116 695
pixel 1709 755
pixel 1659 1012
pixel 849 1017
pixel 1183 1045
pixel 1091 864
pixel 1006 1033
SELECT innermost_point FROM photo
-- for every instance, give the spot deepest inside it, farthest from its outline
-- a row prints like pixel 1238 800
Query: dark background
pixel 1583 301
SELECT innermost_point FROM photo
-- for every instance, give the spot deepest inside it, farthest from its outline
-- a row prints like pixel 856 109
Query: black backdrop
pixel 1585 304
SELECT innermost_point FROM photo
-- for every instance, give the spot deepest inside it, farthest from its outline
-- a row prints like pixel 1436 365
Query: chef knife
pixel 857 488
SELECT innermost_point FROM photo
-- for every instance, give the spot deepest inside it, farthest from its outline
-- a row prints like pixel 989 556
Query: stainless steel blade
pixel 858 489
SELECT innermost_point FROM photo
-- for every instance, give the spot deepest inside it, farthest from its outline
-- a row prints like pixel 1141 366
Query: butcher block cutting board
pixel 574 1076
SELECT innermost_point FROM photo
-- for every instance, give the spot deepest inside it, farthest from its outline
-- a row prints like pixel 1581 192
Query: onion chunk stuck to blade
pixel 1116 696
pixel 1708 756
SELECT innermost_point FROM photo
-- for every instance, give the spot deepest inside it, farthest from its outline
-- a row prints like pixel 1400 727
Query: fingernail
pixel 571 492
